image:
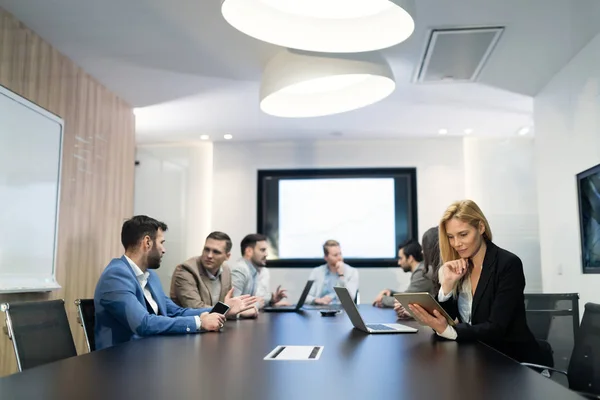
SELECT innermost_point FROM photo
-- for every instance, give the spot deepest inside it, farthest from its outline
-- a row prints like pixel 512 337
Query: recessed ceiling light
pixel 443 131
pixel 204 137
pixel 524 131
pixel 468 131
pixel 332 26
pixel 298 84
pixel 228 137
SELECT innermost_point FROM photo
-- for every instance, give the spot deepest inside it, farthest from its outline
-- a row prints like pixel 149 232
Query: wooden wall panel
pixel 97 170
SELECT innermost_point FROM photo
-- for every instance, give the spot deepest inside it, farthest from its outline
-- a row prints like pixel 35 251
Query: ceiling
pixel 190 73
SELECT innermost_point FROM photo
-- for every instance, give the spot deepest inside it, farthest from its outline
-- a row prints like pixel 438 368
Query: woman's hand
pixel 437 322
pixel 452 272
pixel 455 269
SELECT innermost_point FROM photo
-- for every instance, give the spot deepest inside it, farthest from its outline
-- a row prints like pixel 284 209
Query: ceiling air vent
pixel 457 54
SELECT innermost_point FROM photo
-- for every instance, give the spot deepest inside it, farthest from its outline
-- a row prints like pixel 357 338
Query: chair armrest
pixel 537 366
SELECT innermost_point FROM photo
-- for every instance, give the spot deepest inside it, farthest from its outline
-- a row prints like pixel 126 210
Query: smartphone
pixel 220 308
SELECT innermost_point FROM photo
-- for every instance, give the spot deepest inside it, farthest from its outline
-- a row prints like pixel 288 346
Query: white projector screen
pixel 30 161
pixel 357 212
pixel 370 211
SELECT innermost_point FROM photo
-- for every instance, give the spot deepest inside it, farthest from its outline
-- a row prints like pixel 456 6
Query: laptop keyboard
pixel 380 327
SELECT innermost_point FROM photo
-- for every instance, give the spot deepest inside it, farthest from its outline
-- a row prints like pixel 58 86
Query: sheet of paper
pixel 297 353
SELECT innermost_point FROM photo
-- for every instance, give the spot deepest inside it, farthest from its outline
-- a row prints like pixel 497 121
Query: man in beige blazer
pixel 205 280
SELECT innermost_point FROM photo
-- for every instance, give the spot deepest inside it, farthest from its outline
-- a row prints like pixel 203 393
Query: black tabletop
pixel 231 365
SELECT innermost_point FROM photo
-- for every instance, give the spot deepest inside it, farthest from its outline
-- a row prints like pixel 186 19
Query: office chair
pixel 583 373
pixel 553 318
pixel 86 316
pixel 39 331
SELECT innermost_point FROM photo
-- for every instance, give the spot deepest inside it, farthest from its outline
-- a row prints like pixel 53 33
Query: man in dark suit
pixel 129 300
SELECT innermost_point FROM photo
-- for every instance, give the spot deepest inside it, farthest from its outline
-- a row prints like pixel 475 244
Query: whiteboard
pixel 30 163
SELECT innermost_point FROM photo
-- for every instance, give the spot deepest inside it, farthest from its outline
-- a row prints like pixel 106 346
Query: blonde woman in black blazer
pixel 481 286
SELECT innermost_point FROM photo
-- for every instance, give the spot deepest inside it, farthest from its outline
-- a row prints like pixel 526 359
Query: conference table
pixel 231 365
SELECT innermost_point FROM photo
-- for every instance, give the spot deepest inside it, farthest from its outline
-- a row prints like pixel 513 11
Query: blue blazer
pixel 121 313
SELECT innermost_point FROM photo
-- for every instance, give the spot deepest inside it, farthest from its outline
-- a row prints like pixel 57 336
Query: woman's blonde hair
pixel 465 211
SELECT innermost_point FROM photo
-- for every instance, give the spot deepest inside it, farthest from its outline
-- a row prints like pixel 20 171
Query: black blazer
pixel 498 310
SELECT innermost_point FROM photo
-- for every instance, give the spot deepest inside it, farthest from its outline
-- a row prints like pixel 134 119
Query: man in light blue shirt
pixel 250 276
pixel 334 273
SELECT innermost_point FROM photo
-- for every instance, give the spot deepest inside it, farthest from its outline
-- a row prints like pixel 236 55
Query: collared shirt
pixel 142 278
pixel 211 276
pixel 261 279
pixel 214 283
pixel 248 279
pixel 464 303
pixel 331 280
pixel 325 280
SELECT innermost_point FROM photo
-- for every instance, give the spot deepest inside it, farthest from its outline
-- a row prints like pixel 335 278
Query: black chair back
pixel 584 368
pixel 554 318
pixel 87 319
pixel 40 332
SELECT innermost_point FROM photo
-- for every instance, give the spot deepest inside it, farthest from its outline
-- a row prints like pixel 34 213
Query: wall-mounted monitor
pixel 369 211
pixel 588 190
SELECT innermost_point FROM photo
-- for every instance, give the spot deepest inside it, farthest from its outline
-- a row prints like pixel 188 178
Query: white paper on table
pixel 298 353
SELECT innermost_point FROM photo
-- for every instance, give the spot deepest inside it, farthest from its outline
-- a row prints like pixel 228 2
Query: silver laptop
pixel 358 322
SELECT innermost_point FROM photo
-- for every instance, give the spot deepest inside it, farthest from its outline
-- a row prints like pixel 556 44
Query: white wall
pixel 440 180
pixel 567 121
pixel 497 173
pixel 174 184
pixel 499 177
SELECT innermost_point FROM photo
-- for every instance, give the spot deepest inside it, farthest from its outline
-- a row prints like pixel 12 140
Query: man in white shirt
pixel 250 276
pixel 129 300
pixel 334 273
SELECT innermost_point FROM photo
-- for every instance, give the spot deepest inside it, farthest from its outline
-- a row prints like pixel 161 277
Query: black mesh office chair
pixel 87 319
pixel 583 372
pixel 39 331
pixel 553 318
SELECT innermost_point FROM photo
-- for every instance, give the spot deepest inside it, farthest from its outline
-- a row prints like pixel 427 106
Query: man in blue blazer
pixel 129 299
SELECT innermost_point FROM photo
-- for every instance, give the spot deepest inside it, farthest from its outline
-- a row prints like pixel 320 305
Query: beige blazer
pixel 190 285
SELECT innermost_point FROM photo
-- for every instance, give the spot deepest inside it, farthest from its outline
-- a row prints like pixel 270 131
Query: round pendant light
pixel 329 26
pixel 297 84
